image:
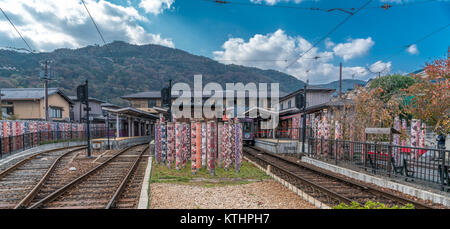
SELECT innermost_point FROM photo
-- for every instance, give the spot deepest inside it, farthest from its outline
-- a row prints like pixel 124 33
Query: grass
pixel 248 173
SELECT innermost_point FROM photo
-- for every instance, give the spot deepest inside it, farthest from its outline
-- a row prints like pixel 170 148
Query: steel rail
pixel 121 187
pixel 63 189
pixel 372 190
pixel 330 193
pixel 23 161
pixel 29 197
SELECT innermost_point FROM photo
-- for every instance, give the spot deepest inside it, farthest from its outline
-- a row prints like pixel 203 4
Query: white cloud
pixel 412 49
pixel 156 6
pixel 329 43
pixel 277 50
pixel 353 48
pixel 49 24
pixel 273 2
pixel 380 66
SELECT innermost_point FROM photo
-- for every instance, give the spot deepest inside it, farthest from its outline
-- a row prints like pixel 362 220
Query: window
pixel 151 103
pixel 281 106
pixel 8 110
pixel 289 104
pixel 55 112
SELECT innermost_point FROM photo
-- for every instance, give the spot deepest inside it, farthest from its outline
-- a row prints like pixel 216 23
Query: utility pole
pixel 46 89
pixel 340 80
pixel 170 101
pixel 87 120
pixel 304 118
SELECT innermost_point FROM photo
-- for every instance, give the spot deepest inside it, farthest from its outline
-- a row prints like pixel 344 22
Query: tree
pixel 430 95
pixel 391 85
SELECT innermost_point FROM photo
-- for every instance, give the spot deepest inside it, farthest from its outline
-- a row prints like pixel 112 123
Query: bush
pixel 371 205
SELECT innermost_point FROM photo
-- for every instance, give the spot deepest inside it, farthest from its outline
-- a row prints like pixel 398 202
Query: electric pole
pixel 340 80
pixel 87 120
pixel 304 118
pixel 46 89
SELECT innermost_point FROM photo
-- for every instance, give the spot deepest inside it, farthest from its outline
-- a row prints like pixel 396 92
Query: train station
pixel 242 106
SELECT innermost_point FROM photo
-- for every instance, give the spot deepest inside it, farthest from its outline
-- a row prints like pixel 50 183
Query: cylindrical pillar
pixel 204 156
pixel 193 147
pixel 178 145
pixel 220 145
pixel 170 144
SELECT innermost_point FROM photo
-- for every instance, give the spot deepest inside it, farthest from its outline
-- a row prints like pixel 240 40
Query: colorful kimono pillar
pixel 178 145
pixel 211 150
pixel 238 145
pixel 422 135
pixel 231 142
pixel 352 138
pixel 193 147
pixel 396 138
pixel 337 136
pixel 226 146
pixel 220 144
pixel 159 143
pixel 188 141
pixel 185 139
pixel 198 140
pixel 326 136
pixel 415 130
pixel 204 155
pixel 404 130
pixel 163 143
pixel 170 144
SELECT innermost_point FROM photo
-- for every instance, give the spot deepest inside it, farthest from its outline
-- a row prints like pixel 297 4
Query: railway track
pixel 23 178
pixel 325 186
pixel 101 187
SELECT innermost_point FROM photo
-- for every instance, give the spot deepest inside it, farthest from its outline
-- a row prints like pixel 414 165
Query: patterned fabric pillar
pixel 204 155
pixel 231 142
pixel 238 145
pixel 170 144
pixel 163 143
pixel 178 145
pixel 156 142
pixel 185 139
pixel 415 129
pixel 423 135
pixel 198 144
pixel 326 135
pixel 188 141
pixel 352 138
pixel 396 138
pixel 220 145
pixel 226 146
pixel 404 130
pixel 210 129
pixel 193 147
pixel 337 137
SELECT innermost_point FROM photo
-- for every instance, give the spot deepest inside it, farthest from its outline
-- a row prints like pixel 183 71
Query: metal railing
pixel 420 165
pixel 284 133
pixel 13 144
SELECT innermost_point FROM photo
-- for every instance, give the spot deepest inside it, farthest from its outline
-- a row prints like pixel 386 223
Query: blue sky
pixel 268 37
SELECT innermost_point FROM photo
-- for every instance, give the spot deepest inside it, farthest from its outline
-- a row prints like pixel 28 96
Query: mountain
pixel 347 84
pixel 119 68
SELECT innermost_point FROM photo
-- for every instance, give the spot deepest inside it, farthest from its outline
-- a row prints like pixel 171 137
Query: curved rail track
pixel 100 187
pixel 21 180
pixel 323 185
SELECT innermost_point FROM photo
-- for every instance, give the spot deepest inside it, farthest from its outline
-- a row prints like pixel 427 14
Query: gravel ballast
pixel 267 194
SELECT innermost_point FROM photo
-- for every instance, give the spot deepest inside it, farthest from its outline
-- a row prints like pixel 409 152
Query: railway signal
pixel 83 97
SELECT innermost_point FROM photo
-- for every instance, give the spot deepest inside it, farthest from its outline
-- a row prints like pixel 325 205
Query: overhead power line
pixel 402 48
pixel 348 10
pixel 93 21
pixel 26 43
pixel 328 34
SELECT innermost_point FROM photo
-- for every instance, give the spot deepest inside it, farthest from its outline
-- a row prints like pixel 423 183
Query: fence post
pixel 389 160
pixel 335 152
pixel 375 160
pixel 23 141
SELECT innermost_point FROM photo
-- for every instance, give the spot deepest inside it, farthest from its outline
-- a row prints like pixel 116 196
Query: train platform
pixel 285 146
pixel 119 143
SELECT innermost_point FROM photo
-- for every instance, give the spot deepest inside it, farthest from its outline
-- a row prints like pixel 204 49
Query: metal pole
pixel 87 122
pixel 107 128
pixel 46 90
pixel 304 118
pixel 340 80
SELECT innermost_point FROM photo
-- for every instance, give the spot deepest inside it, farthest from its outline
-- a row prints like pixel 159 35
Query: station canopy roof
pixel 129 111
